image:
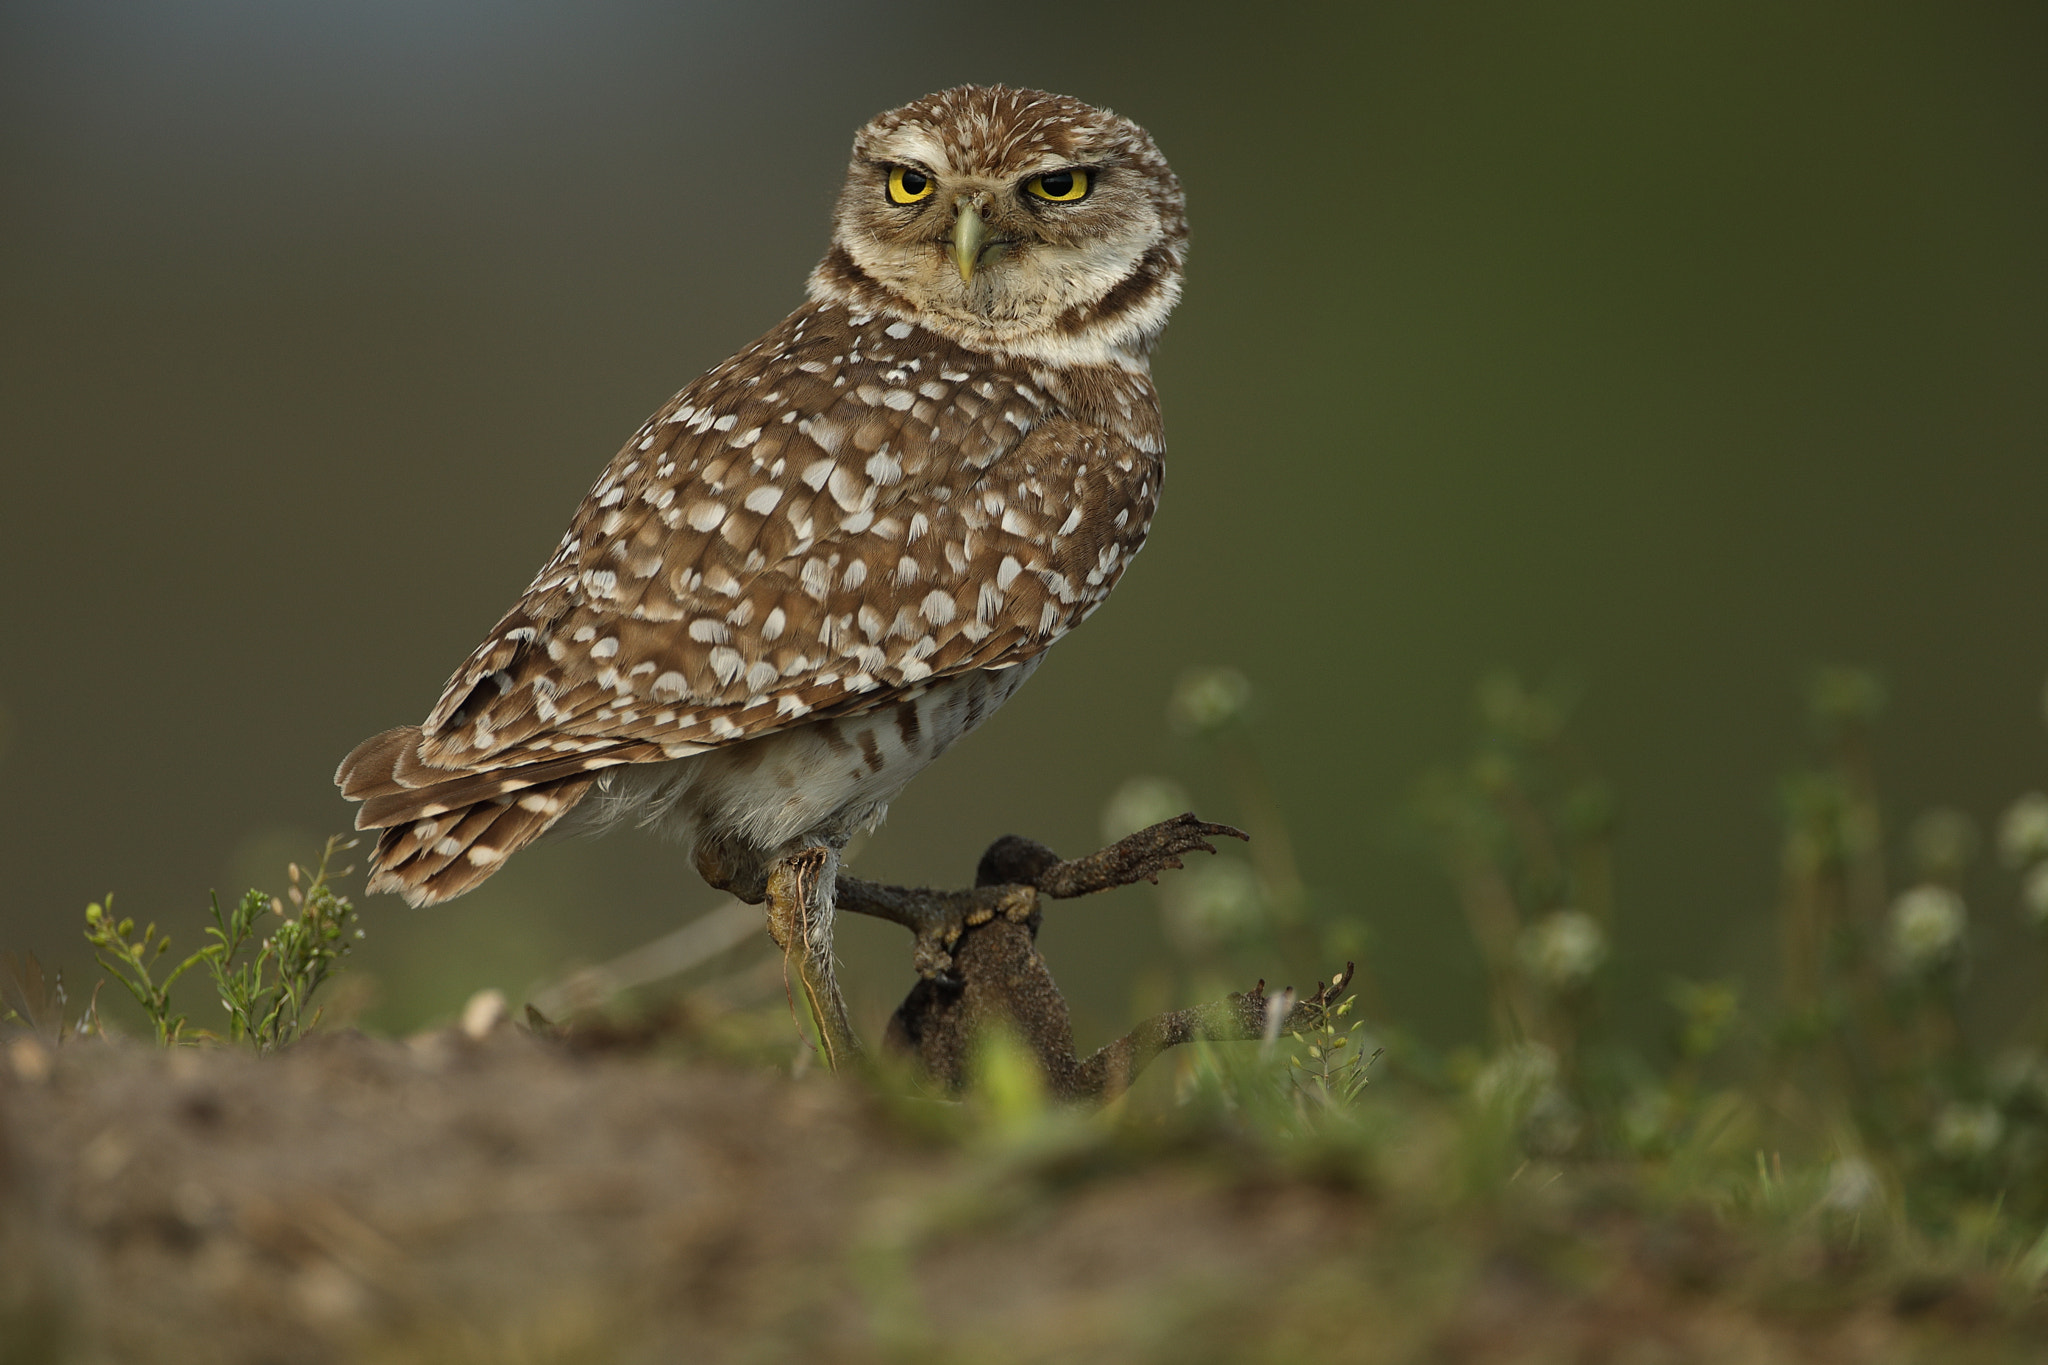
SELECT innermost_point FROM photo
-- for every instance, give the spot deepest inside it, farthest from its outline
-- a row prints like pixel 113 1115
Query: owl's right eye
pixel 907 185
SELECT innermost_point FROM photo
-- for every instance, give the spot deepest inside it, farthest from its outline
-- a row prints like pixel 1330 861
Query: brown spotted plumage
pixel 838 551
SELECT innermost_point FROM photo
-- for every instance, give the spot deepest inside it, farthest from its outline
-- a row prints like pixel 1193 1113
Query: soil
pixel 512 1198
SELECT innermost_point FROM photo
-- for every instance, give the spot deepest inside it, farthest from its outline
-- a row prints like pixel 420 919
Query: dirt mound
pixel 517 1199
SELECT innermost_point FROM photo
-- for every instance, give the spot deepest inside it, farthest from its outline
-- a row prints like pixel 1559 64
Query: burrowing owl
pixel 839 551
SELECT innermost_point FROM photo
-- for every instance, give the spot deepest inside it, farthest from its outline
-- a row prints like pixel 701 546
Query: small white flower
pixel 1926 929
pixel 2034 897
pixel 1853 1186
pixel 2023 830
pixel 1207 699
pixel 1516 1075
pixel 1965 1131
pixel 1520 1083
pixel 1141 802
pixel 1212 902
pixel 1563 949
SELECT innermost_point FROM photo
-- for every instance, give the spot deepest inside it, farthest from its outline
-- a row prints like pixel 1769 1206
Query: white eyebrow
pixel 914 144
pixel 1049 162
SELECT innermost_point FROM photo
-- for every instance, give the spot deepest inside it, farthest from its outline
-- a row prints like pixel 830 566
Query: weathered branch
pixel 1013 873
pixel 980 966
pixel 1239 1017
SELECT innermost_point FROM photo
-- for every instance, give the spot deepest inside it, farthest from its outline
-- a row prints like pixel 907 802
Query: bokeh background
pixel 1673 349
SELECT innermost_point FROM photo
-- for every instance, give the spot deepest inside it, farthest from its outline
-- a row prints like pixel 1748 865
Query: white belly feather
pixel 826 781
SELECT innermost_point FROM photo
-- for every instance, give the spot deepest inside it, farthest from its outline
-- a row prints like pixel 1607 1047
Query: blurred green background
pixel 1677 349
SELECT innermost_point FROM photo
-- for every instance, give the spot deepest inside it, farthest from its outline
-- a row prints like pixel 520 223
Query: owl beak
pixel 968 235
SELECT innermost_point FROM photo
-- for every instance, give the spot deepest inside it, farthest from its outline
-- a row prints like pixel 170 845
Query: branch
pixel 1012 874
pixel 979 960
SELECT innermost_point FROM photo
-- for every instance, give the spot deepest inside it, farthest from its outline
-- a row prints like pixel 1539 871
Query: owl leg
pixel 800 897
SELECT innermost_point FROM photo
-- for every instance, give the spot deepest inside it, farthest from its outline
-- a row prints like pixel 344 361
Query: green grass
pixel 1846 1099
pixel 266 963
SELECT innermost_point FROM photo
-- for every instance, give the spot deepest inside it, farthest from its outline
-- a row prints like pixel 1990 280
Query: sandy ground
pixel 514 1199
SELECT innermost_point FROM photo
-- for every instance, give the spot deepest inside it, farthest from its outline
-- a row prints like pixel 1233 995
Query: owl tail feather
pixel 437 840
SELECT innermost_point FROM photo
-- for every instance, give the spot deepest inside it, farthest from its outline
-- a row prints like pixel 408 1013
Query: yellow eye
pixel 907 185
pixel 1059 187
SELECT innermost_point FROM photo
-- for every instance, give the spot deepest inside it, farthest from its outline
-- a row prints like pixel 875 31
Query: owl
pixel 839 551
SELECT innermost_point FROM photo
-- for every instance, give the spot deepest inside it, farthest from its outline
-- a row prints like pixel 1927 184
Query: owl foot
pixel 799 895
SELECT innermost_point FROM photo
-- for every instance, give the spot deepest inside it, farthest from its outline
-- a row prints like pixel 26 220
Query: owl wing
pixel 826 523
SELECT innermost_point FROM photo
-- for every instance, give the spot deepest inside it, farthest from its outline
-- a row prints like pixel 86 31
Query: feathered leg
pixel 800 896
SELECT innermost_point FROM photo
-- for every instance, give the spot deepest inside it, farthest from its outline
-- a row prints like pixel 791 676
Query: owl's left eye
pixel 1060 187
pixel 907 185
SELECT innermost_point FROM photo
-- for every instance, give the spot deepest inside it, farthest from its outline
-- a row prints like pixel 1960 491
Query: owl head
pixel 1013 221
